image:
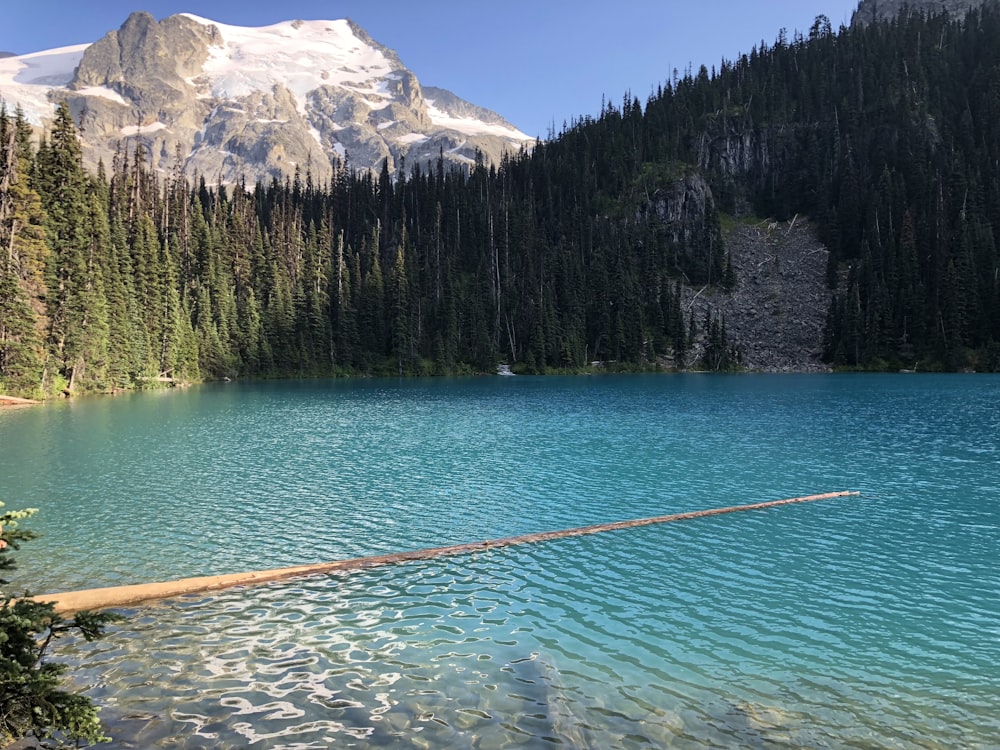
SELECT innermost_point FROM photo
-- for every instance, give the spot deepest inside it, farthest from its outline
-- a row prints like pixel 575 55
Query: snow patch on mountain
pixel 469 125
pixel 105 92
pixel 300 55
pixel 411 138
pixel 28 79
pixel 129 130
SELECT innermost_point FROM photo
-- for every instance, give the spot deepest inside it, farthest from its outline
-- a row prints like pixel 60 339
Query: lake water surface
pixel 863 622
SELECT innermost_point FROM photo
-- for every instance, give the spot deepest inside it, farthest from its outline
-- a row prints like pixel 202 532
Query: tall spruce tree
pixel 75 289
pixel 23 253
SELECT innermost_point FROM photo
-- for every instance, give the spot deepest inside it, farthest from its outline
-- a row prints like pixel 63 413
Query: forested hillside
pixel 574 251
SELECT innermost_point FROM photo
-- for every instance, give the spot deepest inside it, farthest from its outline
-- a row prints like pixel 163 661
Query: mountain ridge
pixel 869 11
pixel 246 103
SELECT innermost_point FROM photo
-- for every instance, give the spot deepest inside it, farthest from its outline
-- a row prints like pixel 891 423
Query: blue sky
pixel 538 63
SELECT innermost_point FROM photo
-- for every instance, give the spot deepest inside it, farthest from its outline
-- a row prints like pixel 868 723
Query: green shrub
pixel 33 698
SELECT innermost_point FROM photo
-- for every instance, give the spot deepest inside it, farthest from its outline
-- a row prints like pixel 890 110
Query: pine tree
pixel 22 257
pixel 401 338
pixel 21 356
pixel 72 275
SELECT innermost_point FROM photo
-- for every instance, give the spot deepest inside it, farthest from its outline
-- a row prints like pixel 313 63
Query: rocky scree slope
pixel 776 312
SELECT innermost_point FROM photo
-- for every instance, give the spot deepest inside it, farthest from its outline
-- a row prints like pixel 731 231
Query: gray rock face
pixel 147 62
pixel 884 10
pixel 233 103
pixel 684 208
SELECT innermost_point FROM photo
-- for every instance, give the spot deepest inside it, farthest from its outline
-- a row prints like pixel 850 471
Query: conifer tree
pixel 33 694
pixel 22 257
pixel 400 313
pixel 72 277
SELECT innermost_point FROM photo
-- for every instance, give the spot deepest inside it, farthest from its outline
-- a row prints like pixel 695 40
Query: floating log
pixel 16 401
pixel 120 596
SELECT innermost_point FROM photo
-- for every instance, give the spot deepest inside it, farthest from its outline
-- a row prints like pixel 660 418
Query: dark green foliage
pixel 22 256
pixel 20 345
pixel 33 693
pixel 718 355
pixel 440 271
pixel 885 135
pixel 74 302
pixel 572 252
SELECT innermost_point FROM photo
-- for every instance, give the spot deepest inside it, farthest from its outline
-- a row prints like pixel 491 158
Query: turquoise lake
pixel 859 622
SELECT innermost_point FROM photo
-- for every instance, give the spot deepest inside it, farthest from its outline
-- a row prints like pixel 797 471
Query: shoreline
pixel 13 402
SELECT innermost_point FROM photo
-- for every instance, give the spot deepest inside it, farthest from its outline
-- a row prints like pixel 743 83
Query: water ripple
pixel 867 623
pixel 503 652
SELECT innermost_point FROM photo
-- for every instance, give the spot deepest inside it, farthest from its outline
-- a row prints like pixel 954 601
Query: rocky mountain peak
pixel 870 11
pixel 146 62
pixel 236 103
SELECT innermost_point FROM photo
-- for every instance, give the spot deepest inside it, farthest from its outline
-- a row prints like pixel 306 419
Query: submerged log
pixel 120 596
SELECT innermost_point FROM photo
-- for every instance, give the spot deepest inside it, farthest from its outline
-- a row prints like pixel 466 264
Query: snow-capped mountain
pixel 232 103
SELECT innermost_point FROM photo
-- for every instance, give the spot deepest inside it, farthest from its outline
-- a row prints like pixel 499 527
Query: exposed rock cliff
pixel 882 10
pixel 686 208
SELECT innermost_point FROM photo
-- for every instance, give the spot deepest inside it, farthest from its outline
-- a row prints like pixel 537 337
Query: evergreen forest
pixel 886 136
